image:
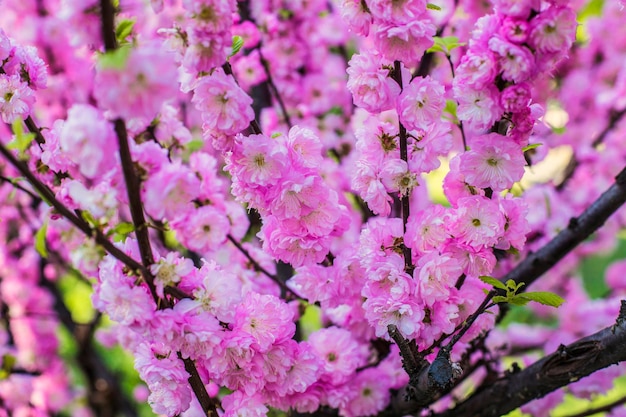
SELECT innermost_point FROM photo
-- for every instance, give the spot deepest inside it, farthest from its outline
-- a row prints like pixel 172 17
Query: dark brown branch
pixel 569 363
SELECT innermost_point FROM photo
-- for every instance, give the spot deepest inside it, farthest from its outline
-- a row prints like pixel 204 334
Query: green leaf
pixel 123 229
pixel 492 281
pixel 543 297
pixel 21 141
pixel 40 240
pixel 124 29
pixel 445 44
pixel 89 218
pixel 237 44
pixel 513 287
pixel 431 6
pixel 518 300
pixel 115 59
pixel 499 299
pixel 531 146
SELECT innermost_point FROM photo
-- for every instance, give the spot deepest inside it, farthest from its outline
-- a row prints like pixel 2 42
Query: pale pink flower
pixel 26 63
pixel 370 83
pixel 514 30
pixel 425 229
pixel 249 70
pixel 147 79
pixel 206 51
pixel 16 98
pixel 477 221
pixel 480 109
pixel 356 15
pixel 169 192
pixel 169 271
pixel 239 404
pixel 516 97
pixel 407 41
pixel 404 313
pixel 516 225
pixel 553 30
pixel 397 11
pixel 516 62
pixel 88 140
pixel 494 161
pixel 477 68
pixel 224 106
pixel 421 103
pixel 204 229
pixel 340 353
pixel 266 318
pixel 516 8
pixel 436 275
pixel 5 46
pixel 369 394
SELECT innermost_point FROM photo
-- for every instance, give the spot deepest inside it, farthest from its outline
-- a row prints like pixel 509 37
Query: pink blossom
pixel 553 30
pixel 480 109
pixel 370 83
pixel 26 63
pixel 213 16
pixel 265 318
pixel 203 229
pixel 166 377
pixel 495 162
pixel 516 97
pixel 405 313
pixel 169 192
pixel 289 242
pixel 88 139
pixel 147 79
pixel 397 12
pixel 514 30
pixel 206 51
pixel 16 98
pixel 477 221
pixel 169 271
pixel 225 107
pixel 425 229
pixel 516 8
pixel 407 41
pixel 516 62
pixel 436 275
pixel 239 404
pixel 474 261
pixel 5 46
pixel 369 394
pixel 217 290
pixel 421 103
pixel 477 68
pixel 249 70
pixel 340 353
pixel 356 15
pixel 516 225
pixel 425 145
pixel 305 147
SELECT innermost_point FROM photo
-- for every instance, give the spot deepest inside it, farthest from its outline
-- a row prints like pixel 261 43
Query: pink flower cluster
pixel 507 51
pixel 22 73
pixel 278 177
